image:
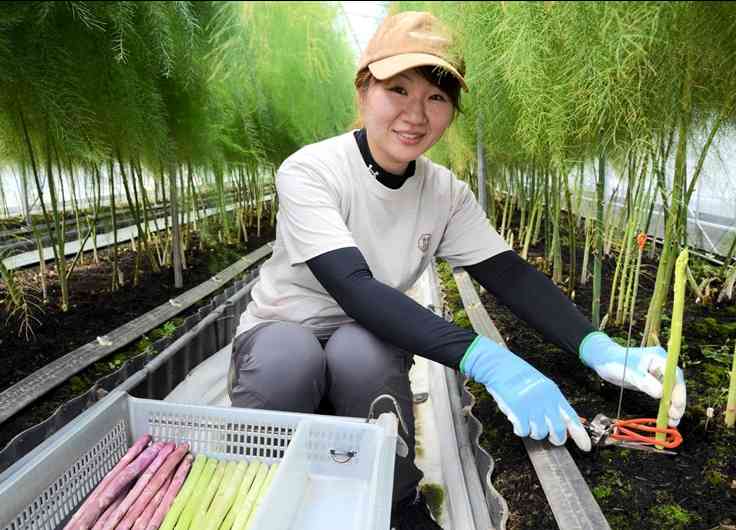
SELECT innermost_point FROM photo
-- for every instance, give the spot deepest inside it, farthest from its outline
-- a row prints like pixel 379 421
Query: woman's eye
pixel 438 97
pixel 398 90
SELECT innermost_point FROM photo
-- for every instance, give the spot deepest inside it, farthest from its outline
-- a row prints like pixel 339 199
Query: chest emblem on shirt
pixel 423 242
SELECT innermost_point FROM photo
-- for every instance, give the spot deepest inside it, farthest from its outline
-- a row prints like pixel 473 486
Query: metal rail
pixel 568 495
pixel 41 381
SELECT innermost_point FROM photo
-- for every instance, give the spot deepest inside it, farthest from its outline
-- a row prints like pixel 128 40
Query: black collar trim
pixel 384 177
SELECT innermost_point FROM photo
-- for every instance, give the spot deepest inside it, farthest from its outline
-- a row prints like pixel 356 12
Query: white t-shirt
pixel 328 200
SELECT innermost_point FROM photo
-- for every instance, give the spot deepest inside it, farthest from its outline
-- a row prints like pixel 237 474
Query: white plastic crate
pixel 42 490
pixel 333 478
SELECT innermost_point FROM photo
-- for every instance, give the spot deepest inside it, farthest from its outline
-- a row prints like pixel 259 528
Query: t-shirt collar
pixel 390 180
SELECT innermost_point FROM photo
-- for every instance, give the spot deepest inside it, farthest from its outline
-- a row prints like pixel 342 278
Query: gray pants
pixel 283 366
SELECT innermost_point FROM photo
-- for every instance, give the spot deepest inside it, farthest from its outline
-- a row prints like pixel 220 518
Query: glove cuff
pixel 481 348
pixel 464 362
pixel 594 337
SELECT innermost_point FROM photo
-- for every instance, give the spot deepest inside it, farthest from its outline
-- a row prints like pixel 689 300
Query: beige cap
pixel 408 40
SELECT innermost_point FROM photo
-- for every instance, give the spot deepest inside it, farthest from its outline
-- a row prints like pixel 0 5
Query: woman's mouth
pixel 409 138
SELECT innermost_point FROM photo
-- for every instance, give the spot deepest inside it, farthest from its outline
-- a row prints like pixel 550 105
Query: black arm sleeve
pixel 386 312
pixel 533 298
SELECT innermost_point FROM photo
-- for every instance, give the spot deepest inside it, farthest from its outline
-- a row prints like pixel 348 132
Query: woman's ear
pixel 360 96
pixel 360 101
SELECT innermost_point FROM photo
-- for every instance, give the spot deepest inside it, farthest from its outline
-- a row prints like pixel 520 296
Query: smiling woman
pixel 361 216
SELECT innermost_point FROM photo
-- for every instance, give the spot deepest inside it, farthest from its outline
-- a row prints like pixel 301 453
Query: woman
pixel 360 217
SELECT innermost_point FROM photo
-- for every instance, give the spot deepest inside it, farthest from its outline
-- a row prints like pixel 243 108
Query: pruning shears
pixel 639 433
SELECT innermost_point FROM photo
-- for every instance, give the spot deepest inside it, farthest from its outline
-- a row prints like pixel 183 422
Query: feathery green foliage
pixel 187 94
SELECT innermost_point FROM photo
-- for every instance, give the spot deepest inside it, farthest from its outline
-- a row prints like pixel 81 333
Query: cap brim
pixel 390 66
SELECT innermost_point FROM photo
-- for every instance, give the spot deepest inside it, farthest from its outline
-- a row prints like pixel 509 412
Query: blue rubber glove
pixel 531 401
pixel 644 369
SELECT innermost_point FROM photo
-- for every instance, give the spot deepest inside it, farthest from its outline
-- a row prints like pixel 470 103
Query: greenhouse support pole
pixel 480 153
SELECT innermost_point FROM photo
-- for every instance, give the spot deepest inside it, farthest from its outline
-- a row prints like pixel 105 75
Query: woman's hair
pixel 434 74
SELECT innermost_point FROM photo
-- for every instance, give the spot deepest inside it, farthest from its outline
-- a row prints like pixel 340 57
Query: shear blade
pixel 640 447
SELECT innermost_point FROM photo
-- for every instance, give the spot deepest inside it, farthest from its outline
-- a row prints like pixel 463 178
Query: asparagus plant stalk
pixel 584 274
pixel 598 245
pixel 641 242
pixel 144 518
pixel 673 346
pixel 731 403
pixel 141 484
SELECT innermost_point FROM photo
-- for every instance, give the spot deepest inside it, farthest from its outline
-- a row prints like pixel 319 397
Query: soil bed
pixel 696 489
pixel 94 311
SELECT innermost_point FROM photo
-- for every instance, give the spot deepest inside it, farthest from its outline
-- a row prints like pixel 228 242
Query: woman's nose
pixel 415 112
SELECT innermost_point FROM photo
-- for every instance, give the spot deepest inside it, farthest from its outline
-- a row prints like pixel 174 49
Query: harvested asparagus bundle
pixel 162 485
pixel 127 458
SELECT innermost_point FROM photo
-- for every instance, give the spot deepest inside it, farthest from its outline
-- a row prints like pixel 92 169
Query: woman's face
pixel 404 116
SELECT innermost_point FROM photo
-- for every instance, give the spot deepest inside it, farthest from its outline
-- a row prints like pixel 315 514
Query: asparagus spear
pixel 99 525
pixel 158 480
pixel 171 492
pixel 209 494
pixel 196 496
pixel 140 485
pixel 673 345
pixel 225 496
pixel 116 485
pixel 241 518
pixel 142 521
pixel 261 494
pixel 182 498
pixel 245 485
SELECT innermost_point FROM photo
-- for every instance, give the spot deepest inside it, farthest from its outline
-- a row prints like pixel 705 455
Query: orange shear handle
pixel 636 430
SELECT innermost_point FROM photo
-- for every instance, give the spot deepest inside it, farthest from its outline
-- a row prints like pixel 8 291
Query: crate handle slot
pixel 342 457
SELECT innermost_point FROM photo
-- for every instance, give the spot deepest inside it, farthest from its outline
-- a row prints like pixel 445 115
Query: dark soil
pixel 696 489
pixel 94 311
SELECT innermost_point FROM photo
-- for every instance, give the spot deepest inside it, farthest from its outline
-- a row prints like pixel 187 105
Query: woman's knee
pixel 353 350
pixel 278 366
pixel 361 366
